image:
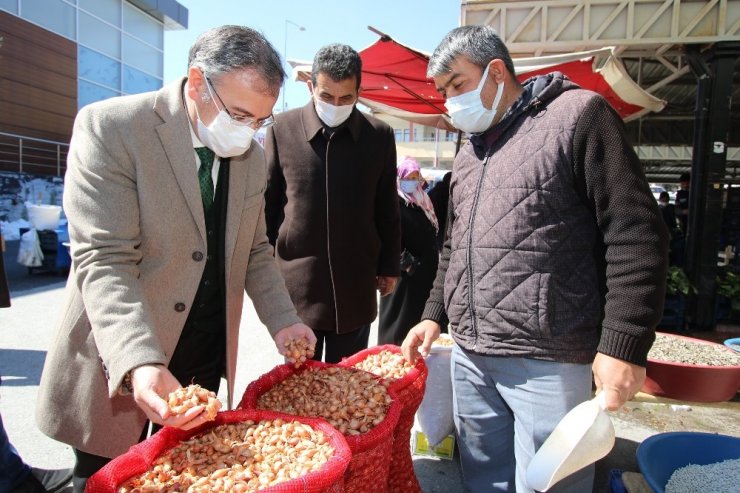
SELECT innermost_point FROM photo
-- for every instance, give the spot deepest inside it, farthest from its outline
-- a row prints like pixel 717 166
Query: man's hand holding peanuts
pixel 296 342
pixel 150 383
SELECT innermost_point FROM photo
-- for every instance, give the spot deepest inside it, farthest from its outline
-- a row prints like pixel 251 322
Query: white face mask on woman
pixel 467 111
pixel 331 115
pixel 222 136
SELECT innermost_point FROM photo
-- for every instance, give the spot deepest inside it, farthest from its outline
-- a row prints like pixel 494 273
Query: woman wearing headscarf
pixel 402 309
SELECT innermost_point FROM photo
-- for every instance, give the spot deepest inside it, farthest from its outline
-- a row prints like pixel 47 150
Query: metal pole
pixel 714 71
pixel 20 155
pixel 436 147
pixel 285 60
pixel 285 55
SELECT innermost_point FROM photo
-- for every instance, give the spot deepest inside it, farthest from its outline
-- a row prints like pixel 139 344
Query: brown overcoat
pixel 332 212
pixel 138 235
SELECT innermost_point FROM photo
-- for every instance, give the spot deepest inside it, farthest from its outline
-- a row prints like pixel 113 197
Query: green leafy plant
pixel 677 282
pixel 728 286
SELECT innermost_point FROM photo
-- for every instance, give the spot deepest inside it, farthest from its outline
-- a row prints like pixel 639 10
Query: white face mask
pixel 467 111
pixel 222 136
pixel 332 115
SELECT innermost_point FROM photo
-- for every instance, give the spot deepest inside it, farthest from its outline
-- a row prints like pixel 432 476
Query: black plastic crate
pixel 48 240
pixel 733 199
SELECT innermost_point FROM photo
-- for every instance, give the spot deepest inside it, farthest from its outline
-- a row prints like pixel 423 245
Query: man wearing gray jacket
pixel 554 266
pixel 164 194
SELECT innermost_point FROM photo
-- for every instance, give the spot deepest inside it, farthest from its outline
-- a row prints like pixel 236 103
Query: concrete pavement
pixel 28 327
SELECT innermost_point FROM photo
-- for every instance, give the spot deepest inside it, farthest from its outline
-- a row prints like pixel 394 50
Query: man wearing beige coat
pixel 165 240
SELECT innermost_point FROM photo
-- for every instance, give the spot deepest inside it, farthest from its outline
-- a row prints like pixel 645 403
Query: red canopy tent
pixel 394 81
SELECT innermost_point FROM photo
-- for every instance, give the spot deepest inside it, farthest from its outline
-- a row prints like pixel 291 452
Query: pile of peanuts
pixel 236 458
pixel 445 341
pixel 298 351
pixel 386 364
pixel 188 397
pixel 352 401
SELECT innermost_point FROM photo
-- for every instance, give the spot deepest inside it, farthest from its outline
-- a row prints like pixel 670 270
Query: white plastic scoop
pixel 583 436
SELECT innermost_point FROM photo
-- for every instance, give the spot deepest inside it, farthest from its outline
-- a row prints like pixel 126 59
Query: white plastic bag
pixel 435 411
pixel 43 216
pixel 29 250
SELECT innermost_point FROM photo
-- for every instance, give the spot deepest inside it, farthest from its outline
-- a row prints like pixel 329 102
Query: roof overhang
pixel 170 12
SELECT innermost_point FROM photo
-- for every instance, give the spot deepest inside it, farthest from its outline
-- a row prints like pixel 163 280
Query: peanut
pixel 297 351
pixel 386 364
pixel 236 457
pixel 352 401
pixel 188 397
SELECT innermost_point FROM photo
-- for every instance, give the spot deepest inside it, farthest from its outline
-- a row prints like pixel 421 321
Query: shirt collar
pixel 194 137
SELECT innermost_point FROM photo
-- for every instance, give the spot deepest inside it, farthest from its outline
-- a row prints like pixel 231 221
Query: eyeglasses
pixel 238 120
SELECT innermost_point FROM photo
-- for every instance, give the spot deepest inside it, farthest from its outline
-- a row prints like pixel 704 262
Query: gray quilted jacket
pixel 556 247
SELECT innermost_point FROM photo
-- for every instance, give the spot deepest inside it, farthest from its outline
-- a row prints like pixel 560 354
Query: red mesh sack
pixel 371 451
pixel 139 458
pixel 410 392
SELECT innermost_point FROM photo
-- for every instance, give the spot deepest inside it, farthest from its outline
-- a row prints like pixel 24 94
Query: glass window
pixel 141 56
pixel 98 68
pixel 143 26
pixel 109 10
pixel 54 15
pixel 9 5
pixel 89 93
pixel 102 36
pixel 135 81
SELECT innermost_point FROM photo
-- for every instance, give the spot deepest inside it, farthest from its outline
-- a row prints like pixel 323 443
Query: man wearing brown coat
pixel 331 206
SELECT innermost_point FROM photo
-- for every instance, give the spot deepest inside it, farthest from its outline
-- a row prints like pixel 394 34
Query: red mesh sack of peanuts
pixel 409 382
pixel 240 451
pixel 355 402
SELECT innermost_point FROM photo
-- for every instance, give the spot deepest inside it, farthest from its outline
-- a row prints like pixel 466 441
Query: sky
pixel 420 24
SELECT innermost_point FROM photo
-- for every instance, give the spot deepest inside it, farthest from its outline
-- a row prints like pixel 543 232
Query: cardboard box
pixel 420 446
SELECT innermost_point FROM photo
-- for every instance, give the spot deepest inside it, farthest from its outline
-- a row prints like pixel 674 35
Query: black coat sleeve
pixel 435 305
pixel 634 239
pixel 387 216
pixel 275 197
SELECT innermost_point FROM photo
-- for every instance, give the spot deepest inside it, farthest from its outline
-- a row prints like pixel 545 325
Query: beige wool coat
pixel 138 242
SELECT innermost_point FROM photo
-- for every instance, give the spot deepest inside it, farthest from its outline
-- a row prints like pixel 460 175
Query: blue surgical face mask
pixel 409 186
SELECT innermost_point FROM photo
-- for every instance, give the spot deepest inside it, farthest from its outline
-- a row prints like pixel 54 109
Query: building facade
pixel 433 148
pixel 58 56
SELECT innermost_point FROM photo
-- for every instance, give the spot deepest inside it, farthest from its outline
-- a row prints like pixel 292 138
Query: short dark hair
pixel 664 195
pixel 227 48
pixel 685 177
pixel 339 62
pixel 479 44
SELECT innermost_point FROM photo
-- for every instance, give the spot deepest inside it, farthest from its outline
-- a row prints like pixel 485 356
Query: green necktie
pixel 204 175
